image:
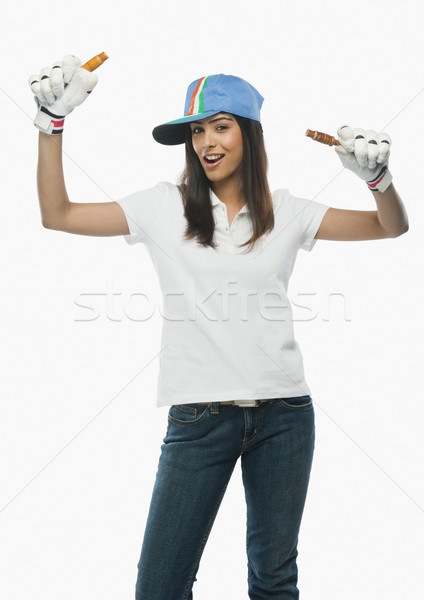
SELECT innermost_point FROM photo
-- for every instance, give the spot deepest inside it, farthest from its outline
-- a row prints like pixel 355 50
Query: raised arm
pixel 57 91
pixel 389 221
pixel 366 153
pixel 57 212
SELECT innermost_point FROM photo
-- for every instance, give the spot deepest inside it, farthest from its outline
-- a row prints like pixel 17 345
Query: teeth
pixel 213 157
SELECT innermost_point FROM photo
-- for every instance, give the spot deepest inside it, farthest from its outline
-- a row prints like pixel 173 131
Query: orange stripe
pixel 190 110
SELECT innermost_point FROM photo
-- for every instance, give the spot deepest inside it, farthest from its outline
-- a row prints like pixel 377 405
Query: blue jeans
pixel 203 442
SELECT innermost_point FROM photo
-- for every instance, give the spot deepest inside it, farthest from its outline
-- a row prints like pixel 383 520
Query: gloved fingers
pixel 56 79
pixel 48 84
pixel 89 81
pixel 384 142
pixel 360 147
pixel 81 86
pixel 46 88
pixel 373 151
pixel 345 135
pixel 340 150
pixel 35 85
pixel 70 66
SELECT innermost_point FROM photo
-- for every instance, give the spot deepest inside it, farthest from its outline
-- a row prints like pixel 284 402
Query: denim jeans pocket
pixel 187 414
pixel 297 403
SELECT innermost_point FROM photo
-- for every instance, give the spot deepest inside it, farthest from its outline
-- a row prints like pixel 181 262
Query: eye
pixel 222 127
pixel 196 130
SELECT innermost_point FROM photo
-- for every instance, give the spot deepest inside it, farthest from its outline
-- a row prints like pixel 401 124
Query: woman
pixel 231 371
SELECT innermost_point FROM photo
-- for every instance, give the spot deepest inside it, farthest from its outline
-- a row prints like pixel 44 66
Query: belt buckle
pixel 246 403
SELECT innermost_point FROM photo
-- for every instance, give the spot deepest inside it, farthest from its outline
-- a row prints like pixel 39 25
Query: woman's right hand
pixel 58 90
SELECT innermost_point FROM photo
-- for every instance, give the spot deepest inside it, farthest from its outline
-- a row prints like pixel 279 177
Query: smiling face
pixel 218 143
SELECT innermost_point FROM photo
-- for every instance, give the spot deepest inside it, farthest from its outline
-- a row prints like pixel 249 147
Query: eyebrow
pixel 214 120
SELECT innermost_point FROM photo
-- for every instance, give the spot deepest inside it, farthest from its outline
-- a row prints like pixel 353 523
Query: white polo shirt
pixel 227 332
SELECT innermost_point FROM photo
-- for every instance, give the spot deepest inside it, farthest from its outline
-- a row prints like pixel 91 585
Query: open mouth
pixel 213 159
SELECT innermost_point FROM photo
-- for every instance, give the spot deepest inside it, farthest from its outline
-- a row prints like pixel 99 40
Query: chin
pixel 218 176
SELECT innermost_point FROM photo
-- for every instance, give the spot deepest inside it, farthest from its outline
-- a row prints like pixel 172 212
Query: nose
pixel 209 138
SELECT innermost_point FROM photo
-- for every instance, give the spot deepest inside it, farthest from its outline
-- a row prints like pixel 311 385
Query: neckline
pixel 216 202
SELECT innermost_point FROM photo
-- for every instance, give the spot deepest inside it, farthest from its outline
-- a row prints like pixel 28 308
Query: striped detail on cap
pixel 197 100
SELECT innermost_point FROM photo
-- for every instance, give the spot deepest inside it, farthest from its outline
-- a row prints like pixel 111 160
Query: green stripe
pixel 201 100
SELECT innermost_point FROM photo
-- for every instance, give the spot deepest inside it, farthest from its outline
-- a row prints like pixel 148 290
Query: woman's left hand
pixel 366 153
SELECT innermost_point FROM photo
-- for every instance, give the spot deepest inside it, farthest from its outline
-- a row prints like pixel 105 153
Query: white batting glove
pixel 366 153
pixel 58 90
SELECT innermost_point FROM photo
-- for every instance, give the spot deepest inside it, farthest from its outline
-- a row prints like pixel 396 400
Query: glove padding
pixel 366 153
pixel 58 90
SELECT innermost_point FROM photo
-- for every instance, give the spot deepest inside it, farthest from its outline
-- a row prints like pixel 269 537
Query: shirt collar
pixel 216 202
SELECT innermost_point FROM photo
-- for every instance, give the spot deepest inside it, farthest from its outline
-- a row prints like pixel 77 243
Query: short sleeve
pixel 143 210
pixel 311 218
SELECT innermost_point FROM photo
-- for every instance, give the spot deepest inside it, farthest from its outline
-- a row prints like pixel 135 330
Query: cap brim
pixel 174 132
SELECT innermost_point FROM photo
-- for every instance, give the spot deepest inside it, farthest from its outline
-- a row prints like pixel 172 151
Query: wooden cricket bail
pixel 95 62
pixel 323 138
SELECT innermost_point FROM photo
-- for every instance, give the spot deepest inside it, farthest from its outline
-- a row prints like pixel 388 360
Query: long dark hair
pixel 195 188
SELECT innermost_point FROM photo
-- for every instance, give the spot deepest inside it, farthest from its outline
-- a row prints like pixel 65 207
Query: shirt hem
pixel 267 395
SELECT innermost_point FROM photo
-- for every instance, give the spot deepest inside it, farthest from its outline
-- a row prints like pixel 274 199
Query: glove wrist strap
pixel 48 122
pixel 381 182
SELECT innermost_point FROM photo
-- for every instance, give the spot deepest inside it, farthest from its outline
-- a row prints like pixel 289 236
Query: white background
pixel 80 434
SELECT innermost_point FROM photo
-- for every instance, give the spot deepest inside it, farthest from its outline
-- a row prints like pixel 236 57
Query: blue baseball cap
pixel 208 96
